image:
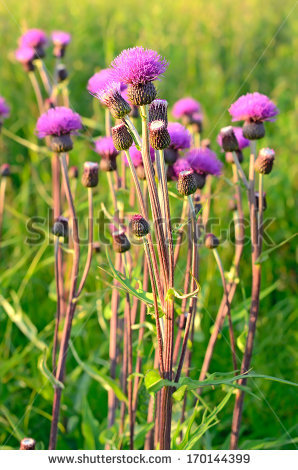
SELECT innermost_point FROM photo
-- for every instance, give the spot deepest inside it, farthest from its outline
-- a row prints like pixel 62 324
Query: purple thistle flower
pixel 33 38
pixel 137 66
pixel 186 106
pixel 4 109
pixel 182 164
pixel 104 146
pixel 100 80
pixel 242 141
pixel 180 137
pixel 253 107
pixel 61 38
pixel 24 54
pixel 136 156
pixel 204 161
pixel 58 121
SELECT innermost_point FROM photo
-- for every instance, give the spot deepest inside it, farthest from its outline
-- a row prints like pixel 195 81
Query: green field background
pixel 217 51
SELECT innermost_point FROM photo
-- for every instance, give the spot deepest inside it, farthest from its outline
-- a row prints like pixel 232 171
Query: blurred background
pixel 217 51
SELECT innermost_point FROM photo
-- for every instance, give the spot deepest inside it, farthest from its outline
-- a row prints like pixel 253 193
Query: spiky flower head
pixel 111 97
pixel 121 136
pixel 211 241
pixel 90 175
pixel 139 226
pixel 25 55
pixel 228 140
pixel 121 244
pixel 242 141
pixel 58 121
pixel 136 156
pixel 264 161
pixel 204 161
pixel 60 40
pixel 158 111
pixel 186 107
pixel 104 146
pixel 4 109
pixel 159 136
pixel 253 107
pixel 98 81
pixel 180 136
pixel 33 38
pixel 187 183
pixel 60 227
pixel 5 170
pixel 181 164
pixel 137 66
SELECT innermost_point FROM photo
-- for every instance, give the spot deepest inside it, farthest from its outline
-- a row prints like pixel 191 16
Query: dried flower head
pixel 180 136
pixel 121 244
pixel 242 141
pixel 104 146
pixel 264 161
pixel 4 109
pixel 25 55
pixel 159 136
pixel 111 97
pixel 211 241
pixel 121 136
pixel 90 175
pixel 186 107
pixel 60 227
pixel 139 226
pixel 158 111
pixel 137 66
pixel 27 444
pixel 253 107
pixel 187 183
pixel 204 161
pixel 228 140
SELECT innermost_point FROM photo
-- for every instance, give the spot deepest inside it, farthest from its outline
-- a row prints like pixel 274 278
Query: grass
pixel 217 51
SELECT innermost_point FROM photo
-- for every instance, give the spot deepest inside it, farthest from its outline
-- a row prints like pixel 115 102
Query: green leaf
pixel 90 426
pixel 106 382
pixel 264 256
pixel 42 365
pixel 154 382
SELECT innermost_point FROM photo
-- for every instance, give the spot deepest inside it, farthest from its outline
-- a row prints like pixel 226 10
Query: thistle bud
pixel 230 159
pixel 253 130
pixel 62 73
pixel 170 156
pixel 139 226
pixel 228 139
pixel 200 179
pixel 60 228
pixel 187 183
pixel 141 172
pixel 121 244
pixel 61 143
pixel 73 172
pixel 142 93
pixel 159 136
pixel 122 138
pixel 158 111
pixel 257 197
pixel 108 164
pixel 264 161
pixel 27 444
pixel 90 175
pixel 5 170
pixel 112 98
pixel 96 247
pixel 211 241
